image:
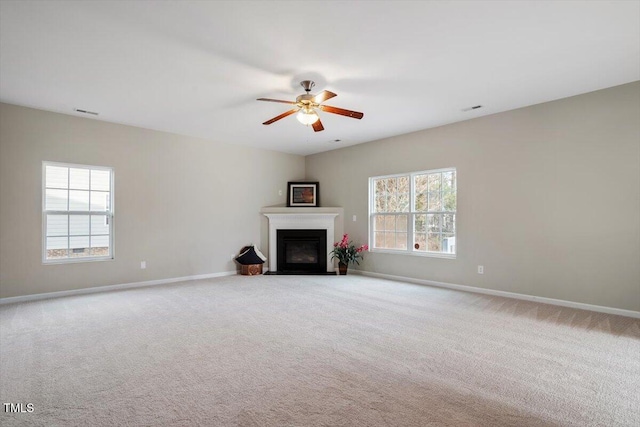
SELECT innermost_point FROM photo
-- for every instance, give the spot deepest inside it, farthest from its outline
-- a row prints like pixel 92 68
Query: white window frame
pixel 109 215
pixel 410 216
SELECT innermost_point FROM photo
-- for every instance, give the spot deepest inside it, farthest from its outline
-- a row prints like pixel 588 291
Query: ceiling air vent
pixel 79 110
pixel 475 107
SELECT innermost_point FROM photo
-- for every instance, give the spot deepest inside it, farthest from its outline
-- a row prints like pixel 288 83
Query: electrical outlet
pixel 481 269
pixel 354 218
pixel 279 192
pixel 143 264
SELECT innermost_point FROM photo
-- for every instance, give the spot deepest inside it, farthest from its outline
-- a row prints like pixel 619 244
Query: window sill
pixel 75 260
pixel 413 253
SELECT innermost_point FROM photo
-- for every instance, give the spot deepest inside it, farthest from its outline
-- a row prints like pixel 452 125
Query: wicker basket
pixel 251 269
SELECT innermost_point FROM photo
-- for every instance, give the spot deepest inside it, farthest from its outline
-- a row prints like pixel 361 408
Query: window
pixel 77 213
pixel 413 213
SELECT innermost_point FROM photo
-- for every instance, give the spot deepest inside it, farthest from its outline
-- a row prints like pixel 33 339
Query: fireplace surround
pixel 327 219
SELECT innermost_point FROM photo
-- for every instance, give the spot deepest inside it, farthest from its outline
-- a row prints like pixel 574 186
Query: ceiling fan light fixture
pixel 307 116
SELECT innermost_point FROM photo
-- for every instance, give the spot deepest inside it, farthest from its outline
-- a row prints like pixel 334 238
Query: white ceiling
pixel 196 67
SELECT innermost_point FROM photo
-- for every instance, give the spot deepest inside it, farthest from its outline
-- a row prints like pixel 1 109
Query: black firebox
pixel 302 251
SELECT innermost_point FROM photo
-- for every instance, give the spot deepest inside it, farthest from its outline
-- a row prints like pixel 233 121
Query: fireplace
pixel 324 220
pixel 302 251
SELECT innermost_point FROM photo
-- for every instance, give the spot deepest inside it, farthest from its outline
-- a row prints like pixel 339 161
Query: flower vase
pixel 342 268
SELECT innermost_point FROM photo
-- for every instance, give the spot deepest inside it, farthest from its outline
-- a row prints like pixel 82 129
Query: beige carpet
pixel 315 351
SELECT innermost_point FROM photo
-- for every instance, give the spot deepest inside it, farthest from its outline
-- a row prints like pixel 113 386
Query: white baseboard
pixel 465 288
pixel 34 297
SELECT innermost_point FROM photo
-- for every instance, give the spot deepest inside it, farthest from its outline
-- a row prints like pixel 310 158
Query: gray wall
pixel 548 197
pixel 182 204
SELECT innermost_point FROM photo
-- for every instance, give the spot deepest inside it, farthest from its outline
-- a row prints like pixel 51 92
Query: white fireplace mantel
pixel 281 218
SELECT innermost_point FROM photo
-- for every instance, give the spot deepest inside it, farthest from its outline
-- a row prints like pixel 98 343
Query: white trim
pixel 395 175
pixel 444 255
pixel 300 221
pixel 514 295
pixel 75 165
pixel 109 213
pixel 97 289
pixel 77 260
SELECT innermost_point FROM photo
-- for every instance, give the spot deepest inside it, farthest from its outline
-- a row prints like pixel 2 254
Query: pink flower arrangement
pixel 346 252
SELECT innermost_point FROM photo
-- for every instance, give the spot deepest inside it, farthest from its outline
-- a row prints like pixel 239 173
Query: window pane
pixel 100 251
pixel 392 203
pixel 448 181
pixel 78 200
pixel 57 243
pixel 99 225
pixel 56 177
pixel 99 201
pixel 403 202
pixel 79 252
pixel 433 222
pixel 56 248
pixel 401 240
pixel 391 185
pixel 434 202
pixel 401 223
pixel 57 225
pixel 421 202
pixel 449 243
pixel 57 253
pixel 403 184
pixel 434 243
pixel 378 222
pixel 379 240
pixel 100 180
pixel 55 200
pixel 390 223
pixel 420 242
pixel 79 179
pixel 100 242
pixel 78 242
pixel 435 180
pixel 390 240
pixel 79 225
pixel 392 194
pixel 421 183
pixel 449 200
pixel 420 224
pixel 448 223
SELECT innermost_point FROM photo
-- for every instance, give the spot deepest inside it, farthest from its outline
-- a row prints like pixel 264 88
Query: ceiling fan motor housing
pixel 306 99
pixel 307 85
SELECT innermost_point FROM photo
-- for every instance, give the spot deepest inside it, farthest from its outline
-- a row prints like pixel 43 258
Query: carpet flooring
pixel 314 351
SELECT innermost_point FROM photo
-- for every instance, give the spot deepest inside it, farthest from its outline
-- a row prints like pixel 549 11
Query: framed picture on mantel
pixel 303 194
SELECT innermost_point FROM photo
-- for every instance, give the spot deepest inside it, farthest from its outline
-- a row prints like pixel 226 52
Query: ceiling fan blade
pixel 281 116
pixel 317 126
pixel 342 112
pixel 323 96
pixel 275 100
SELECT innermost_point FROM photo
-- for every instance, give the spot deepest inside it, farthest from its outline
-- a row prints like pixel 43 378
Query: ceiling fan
pixel 306 106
